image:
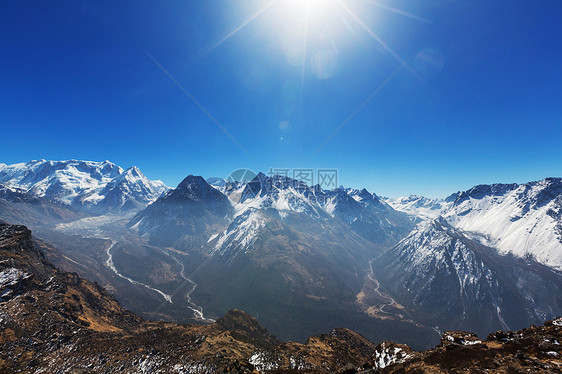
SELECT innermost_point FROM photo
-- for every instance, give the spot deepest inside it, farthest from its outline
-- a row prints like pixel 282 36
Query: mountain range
pixel 301 258
pixel 522 219
pixel 54 321
pixel 96 187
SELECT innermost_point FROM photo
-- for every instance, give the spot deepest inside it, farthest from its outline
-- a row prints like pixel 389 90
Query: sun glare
pixel 313 10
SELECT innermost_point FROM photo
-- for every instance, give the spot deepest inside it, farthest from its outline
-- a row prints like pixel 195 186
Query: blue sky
pixel 467 92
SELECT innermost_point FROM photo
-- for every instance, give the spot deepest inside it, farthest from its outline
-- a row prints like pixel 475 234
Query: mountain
pixel 294 254
pixel 305 259
pixel 96 187
pixel 417 206
pixel 523 219
pixel 18 206
pixel 52 321
pixel 186 216
pixel 230 204
pixel 450 281
pixel 362 212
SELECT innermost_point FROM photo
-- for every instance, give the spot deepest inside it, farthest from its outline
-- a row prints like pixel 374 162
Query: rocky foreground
pixel 56 322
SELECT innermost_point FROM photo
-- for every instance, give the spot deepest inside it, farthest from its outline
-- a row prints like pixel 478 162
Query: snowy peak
pixel 417 206
pixel 216 182
pixel 481 191
pixel 241 234
pixel 283 199
pixel 365 197
pixel 533 194
pixel 287 194
pixel 131 190
pixel 520 219
pixel 92 186
pixel 434 245
pixel 263 185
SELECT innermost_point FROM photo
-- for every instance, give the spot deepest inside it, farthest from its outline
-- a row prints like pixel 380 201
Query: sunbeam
pixel 242 25
pixel 370 32
pixel 398 11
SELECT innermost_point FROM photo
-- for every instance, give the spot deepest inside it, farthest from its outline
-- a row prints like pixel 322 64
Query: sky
pixel 401 97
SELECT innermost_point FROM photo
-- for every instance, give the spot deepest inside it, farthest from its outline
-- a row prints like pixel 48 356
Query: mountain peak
pixel 216 181
pixel 134 170
pixel 192 179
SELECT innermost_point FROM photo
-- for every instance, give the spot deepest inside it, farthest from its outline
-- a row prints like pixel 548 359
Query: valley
pixel 301 259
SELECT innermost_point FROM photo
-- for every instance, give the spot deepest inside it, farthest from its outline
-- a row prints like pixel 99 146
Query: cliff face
pixel 56 322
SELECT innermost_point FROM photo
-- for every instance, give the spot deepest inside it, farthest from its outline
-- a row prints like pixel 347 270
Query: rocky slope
pixel 530 350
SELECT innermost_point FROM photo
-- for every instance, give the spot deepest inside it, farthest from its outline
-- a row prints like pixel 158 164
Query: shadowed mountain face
pixel 453 282
pixel 185 217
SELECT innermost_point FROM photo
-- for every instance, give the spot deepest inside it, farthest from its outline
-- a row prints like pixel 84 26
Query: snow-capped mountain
pixel 418 206
pixel 96 187
pixel 271 239
pixel 362 211
pixel 524 219
pixel 217 182
pixel 448 280
pixel 290 201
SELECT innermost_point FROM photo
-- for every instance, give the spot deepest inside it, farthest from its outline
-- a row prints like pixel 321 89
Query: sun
pixel 309 5
pixel 311 31
pixel 310 10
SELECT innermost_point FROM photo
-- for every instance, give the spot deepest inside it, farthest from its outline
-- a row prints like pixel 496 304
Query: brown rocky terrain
pixel 55 322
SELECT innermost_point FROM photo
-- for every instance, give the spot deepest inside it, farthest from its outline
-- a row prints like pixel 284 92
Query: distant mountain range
pixel 96 187
pixel 302 258
pixel 522 219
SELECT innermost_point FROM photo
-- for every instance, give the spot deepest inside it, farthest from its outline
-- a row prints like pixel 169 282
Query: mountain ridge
pixel 96 187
